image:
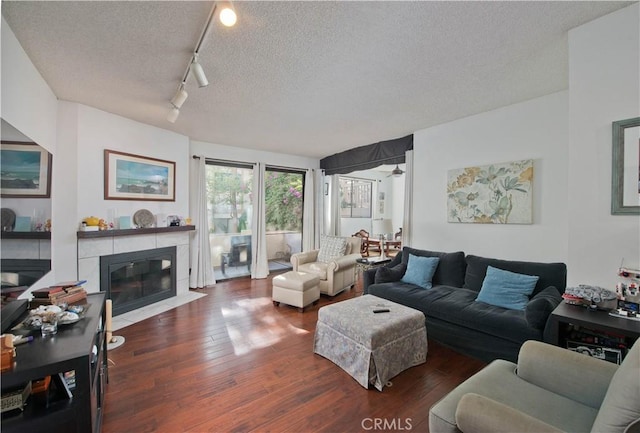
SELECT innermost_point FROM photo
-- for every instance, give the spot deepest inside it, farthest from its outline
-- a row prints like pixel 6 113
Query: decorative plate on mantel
pixel 8 219
pixel 143 218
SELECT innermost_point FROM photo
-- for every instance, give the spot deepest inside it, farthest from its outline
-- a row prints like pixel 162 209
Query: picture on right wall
pixel 491 194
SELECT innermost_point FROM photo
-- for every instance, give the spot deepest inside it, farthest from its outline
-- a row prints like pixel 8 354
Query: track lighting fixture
pixel 180 96
pixel 198 72
pixel 173 115
pixel 227 17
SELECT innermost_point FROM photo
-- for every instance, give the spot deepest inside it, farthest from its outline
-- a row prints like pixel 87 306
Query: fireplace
pixel 135 279
pixel 22 272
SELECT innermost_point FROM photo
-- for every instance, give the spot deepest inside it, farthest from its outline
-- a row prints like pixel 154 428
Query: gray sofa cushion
pixel 621 405
pixel 499 382
pixel 407 294
pixel 450 270
pixel 458 307
pixel 387 275
pixel 551 274
pixel 541 306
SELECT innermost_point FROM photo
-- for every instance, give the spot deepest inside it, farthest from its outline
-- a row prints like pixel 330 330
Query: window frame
pixel 356 189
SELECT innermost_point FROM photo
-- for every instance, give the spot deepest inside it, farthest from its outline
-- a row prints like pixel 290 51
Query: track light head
pixel 198 72
pixel 173 115
pixel 180 96
pixel 228 16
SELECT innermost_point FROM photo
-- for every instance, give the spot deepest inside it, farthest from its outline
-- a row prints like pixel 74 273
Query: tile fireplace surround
pixel 93 245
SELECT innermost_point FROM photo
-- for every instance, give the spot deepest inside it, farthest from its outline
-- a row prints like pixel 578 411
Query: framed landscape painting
pixel 25 170
pixel 135 177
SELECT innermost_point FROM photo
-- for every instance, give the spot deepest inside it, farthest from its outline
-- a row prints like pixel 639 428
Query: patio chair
pixel 239 254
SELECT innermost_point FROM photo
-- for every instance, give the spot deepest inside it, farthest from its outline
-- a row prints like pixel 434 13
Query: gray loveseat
pixel 454 317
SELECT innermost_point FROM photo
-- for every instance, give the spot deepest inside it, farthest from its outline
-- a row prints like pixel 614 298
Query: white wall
pixel 29 105
pixel 535 129
pixel 97 131
pixel 65 204
pixel 604 83
pixel 85 133
pixel 568 134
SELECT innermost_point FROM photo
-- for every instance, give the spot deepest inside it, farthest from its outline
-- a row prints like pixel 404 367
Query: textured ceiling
pixel 305 78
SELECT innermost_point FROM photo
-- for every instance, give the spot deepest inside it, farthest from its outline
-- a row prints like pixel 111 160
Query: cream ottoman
pixel 296 288
pixel 371 347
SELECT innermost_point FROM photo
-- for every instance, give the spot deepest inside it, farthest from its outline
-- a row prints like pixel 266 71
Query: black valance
pixel 367 157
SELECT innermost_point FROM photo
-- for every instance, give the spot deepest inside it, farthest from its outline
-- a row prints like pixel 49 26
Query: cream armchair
pixel 336 274
pixel 550 390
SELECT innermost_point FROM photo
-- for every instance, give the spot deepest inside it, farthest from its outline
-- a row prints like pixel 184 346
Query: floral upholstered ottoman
pixel 371 347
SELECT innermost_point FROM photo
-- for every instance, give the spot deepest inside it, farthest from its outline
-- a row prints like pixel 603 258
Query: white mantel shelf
pixel 133 232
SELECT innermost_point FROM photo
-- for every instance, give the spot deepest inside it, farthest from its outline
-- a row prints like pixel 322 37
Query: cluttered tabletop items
pixel 50 308
pixel 624 302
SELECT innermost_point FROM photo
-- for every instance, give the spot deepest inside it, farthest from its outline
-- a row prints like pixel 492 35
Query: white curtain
pixel 259 262
pixel 201 266
pixel 408 199
pixel 334 206
pixel 309 220
pixel 319 209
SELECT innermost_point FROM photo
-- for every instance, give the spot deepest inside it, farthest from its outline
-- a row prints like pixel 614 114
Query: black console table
pixel 606 330
pixel 80 347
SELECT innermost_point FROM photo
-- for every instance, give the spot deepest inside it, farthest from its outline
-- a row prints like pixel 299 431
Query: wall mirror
pixel 625 174
pixel 25 250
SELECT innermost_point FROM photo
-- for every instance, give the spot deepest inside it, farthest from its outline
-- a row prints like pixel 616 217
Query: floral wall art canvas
pixel 491 194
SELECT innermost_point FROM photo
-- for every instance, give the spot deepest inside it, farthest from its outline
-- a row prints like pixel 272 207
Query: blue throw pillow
pixel 420 270
pixel 506 289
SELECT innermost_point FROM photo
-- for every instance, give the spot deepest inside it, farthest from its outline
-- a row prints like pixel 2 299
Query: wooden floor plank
pixel 232 362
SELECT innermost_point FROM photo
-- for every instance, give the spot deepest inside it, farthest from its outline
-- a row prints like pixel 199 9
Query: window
pixel 355 198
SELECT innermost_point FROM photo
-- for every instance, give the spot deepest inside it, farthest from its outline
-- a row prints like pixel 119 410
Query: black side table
pixel 566 318
pixel 80 348
pixel 364 264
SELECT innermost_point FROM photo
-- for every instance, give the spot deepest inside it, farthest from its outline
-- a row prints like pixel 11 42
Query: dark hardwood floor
pixel 232 362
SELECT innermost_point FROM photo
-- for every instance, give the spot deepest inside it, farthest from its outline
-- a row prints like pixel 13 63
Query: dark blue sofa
pixel 455 319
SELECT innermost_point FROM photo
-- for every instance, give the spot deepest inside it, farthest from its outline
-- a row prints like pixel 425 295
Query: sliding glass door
pixel 230 212
pixel 229 195
pixel 284 192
